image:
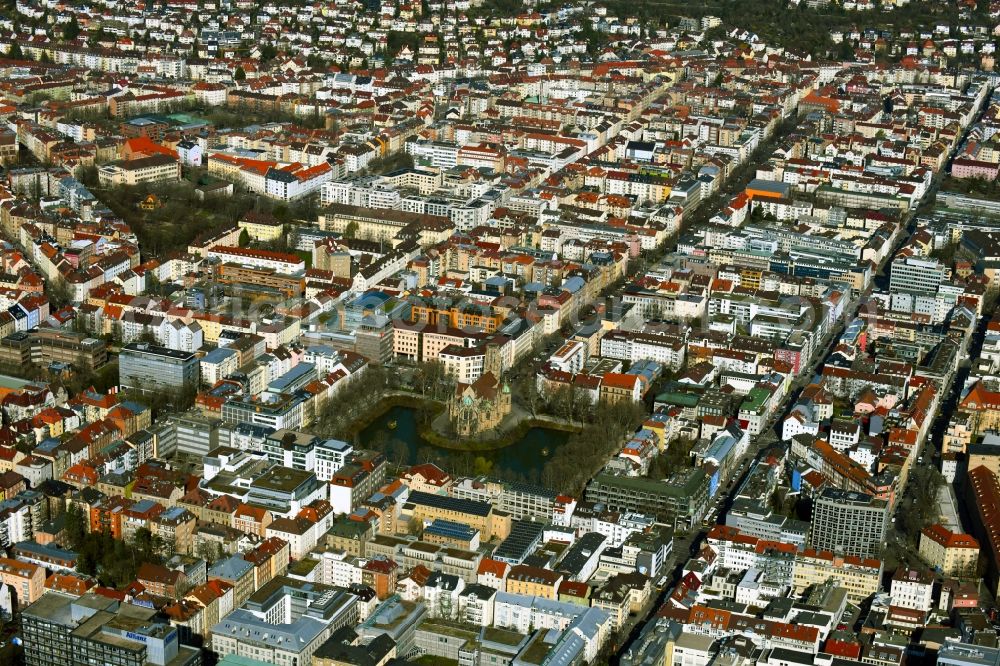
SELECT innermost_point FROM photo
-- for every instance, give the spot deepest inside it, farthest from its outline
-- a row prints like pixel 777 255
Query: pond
pixel 525 457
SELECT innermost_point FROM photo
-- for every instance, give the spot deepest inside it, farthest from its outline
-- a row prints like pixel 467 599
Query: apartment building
pixel 912 589
pixel 280 262
pixel 26 580
pixel 860 578
pixel 534 582
pixel 951 553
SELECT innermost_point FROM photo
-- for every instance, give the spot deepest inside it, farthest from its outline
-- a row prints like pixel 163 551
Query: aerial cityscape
pixel 500 333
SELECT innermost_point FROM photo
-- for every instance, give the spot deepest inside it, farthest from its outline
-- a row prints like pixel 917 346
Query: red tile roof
pixel 949 539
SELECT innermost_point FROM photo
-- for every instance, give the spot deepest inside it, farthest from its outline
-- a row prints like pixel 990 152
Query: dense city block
pixel 499 333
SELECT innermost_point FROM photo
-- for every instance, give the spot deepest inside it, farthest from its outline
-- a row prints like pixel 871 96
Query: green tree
pixel 846 50
pixel 282 213
pixel 239 74
pixel 60 292
pixel 210 551
pixel 15 52
pixel 316 61
pixel 72 29
pixel 86 563
pixel 153 285
pixel 244 238
pixel 76 526
pixel 351 230
pixel 268 52
pixel 482 466
pixel 432 380
pixel 88 175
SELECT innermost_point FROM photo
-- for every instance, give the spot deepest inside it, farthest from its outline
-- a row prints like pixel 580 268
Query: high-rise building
pixel 848 523
pixel 195 434
pixel 150 369
pixel 917 275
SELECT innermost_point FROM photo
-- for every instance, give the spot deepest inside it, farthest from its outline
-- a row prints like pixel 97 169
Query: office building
pixel 272 410
pixel 753 518
pixel 195 434
pixel 344 647
pixel 152 369
pixel 917 275
pixel 299 450
pixel 967 654
pixel 152 169
pixel 427 508
pixel 61 629
pixel 680 501
pixel 396 618
pixel 44 346
pixel 849 523
pixel 284 491
pixel 284 622
pixel 524 538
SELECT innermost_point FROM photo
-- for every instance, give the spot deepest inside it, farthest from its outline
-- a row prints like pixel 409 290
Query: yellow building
pixel 951 553
pixel 176 528
pixel 151 202
pixel 751 278
pixel 616 387
pixel 983 407
pixel 262 227
pixel 241 580
pixel 859 578
pixel 534 581
pixel 252 519
pixel 9 457
pixel 211 327
pixel 153 169
pixel 428 507
pixel 370 223
pixel 292 286
pixel 959 435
